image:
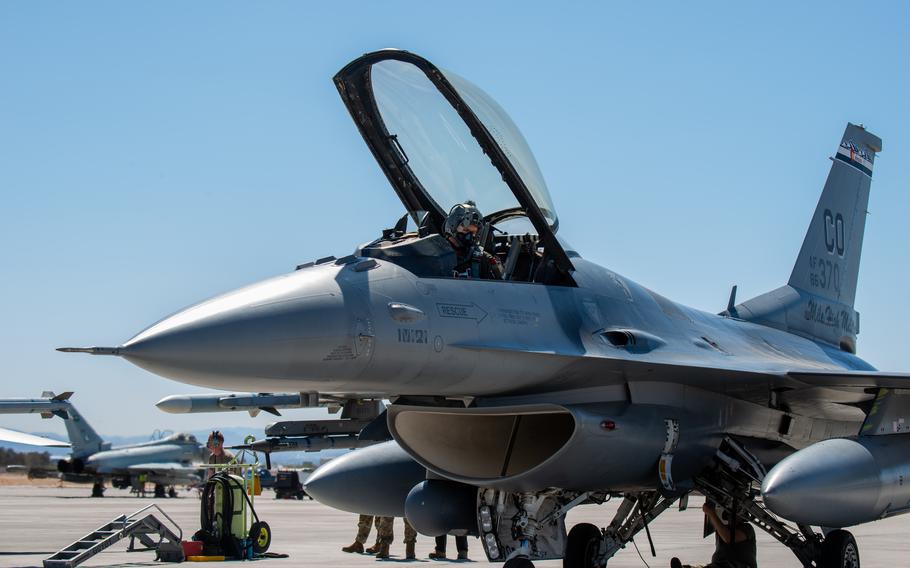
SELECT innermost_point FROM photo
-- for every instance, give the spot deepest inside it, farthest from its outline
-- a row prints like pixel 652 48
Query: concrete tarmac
pixel 37 521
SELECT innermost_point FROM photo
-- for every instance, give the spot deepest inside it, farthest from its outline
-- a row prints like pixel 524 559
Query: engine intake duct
pixel 526 447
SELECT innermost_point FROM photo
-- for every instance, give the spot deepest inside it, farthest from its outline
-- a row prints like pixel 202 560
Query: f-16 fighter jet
pixel 166 462
pixel 526 380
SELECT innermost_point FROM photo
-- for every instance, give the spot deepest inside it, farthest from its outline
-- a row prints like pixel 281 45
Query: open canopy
pixel 441 140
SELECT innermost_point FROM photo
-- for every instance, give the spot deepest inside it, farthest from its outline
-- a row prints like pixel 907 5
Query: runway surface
pixel 37 521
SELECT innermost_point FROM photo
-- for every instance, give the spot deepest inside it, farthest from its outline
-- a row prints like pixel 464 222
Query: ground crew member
pixel 141 480
pixel 364 525
pixel 387 535
pixel 734 541
pixel 218 455
pixel 461 545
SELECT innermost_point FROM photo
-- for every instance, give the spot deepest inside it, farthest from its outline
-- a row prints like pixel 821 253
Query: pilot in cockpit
pixel 462 228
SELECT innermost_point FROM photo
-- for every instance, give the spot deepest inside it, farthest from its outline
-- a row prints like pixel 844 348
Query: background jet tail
pixel 818 299
pixel 83 438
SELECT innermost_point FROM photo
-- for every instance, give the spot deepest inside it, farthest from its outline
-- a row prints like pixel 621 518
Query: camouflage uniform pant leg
pixel 364 524
pixel 386 530
pixel 410 535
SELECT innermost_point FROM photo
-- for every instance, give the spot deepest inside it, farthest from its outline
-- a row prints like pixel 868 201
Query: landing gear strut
pixel 589 549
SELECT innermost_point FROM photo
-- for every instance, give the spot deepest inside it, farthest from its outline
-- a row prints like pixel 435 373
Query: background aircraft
pixel 166 462
pixel 563 383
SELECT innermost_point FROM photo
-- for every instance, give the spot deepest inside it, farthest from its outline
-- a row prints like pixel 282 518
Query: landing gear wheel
pixel 839 550
pixel 518 562
pixel 582 547
pixel 261 535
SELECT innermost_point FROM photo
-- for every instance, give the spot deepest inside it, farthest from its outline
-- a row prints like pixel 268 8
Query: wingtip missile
pixel 91 350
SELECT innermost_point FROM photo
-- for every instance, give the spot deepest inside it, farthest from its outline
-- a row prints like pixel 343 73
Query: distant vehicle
pixel 289 485
pixel 168 461
pixel 266 479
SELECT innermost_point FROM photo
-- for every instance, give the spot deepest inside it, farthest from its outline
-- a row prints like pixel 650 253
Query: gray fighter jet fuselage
pixel 563 382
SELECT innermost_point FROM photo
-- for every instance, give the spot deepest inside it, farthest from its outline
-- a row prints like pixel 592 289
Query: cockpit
pixel 442 141
pixel 428 254
pixel 183 438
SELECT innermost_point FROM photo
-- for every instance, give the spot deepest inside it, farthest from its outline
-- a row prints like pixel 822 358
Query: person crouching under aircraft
pixel 734 541
pixel 462 226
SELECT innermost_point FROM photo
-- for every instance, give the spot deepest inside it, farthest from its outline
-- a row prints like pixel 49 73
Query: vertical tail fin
pixel 83 438
pixel 818 299
pixel 828 263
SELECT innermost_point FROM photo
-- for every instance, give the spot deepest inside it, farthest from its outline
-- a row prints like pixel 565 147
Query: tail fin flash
pixel 818 300
pixel 828 263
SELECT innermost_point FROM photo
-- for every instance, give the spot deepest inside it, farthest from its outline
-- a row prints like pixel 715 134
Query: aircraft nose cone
pixel 279 329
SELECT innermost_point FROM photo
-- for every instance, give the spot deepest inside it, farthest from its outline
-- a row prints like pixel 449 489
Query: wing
pixel 832 394
pixel 17 437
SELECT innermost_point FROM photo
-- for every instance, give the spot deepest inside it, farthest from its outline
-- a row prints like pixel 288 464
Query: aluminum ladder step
pixel 143 527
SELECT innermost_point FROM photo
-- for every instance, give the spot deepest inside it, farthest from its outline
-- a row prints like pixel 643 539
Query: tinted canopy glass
pixel 440 140
pixel 439 148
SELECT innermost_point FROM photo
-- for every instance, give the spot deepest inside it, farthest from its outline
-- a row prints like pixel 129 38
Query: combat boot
pixel 437 555
pixel 356 547
pixel 462 554
pixel 383 551
pixel 374 549
pixel 410 553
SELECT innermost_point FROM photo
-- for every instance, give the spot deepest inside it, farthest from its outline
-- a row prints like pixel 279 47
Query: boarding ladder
pixel 142 525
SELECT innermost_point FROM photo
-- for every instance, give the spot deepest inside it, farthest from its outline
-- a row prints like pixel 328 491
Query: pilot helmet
pixel 463 215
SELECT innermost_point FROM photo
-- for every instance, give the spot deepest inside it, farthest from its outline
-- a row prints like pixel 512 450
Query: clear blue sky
pixel 154 154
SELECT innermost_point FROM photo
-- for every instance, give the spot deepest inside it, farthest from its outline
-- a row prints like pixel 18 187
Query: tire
pixel 518 562
pixel 582 547
pixel 839 550
pixel 261 535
